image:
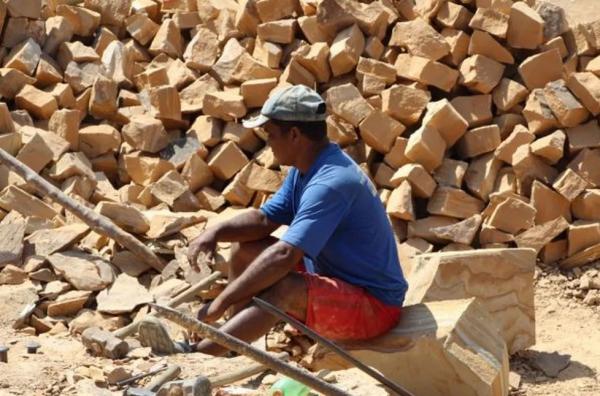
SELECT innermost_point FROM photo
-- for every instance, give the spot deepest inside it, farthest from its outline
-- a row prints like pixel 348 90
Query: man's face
pixel 281 142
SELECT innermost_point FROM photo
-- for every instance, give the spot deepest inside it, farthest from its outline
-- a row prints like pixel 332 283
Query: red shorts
pixel 340 311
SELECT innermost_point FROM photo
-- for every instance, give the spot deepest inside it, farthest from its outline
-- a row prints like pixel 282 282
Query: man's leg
pixel 290 294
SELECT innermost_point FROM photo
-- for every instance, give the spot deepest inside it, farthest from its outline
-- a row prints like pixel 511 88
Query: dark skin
pixel 260 265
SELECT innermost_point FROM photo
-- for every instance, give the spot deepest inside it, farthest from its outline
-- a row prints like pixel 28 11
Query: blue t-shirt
pixel 337 219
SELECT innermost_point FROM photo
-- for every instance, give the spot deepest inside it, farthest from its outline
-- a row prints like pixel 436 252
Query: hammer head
pixel 104 343
pixel 199 386
pixel 139 392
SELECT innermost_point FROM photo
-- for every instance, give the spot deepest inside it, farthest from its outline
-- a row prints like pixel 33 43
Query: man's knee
pixel 289 294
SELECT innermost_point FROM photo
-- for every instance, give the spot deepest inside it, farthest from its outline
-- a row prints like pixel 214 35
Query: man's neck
pixel 310 155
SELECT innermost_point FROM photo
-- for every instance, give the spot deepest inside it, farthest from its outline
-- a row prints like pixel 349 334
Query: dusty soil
pixel 564 325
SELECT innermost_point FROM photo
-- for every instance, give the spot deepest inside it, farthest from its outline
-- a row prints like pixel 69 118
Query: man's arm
pixel 268 268
pixel 251 225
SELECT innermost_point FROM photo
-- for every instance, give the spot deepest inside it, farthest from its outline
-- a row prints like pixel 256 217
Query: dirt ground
pixel 564 325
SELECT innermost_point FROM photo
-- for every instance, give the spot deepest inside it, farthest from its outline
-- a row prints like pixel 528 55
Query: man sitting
pixel 336 267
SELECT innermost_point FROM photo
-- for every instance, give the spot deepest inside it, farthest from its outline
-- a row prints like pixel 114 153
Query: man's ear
pixel 295 133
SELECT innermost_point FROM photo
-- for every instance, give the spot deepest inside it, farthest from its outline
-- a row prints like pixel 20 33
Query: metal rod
pixel 131 380
pixel 273 310
pixel 239 346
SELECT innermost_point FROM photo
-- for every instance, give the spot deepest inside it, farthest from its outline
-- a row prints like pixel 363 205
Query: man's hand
pixel 211 312
pixel 205 245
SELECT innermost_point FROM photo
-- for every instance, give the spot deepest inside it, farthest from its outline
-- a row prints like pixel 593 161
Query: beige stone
pixel 248 68
pixel 478 141
pixel 268 53
pixel 481 175
pixel 103 99
pixel 554 251
pixel 24 57
pixel 144 170
pixel 169 187
pixel 422 183
pixel 39 103
pixel 281 31
pixel 345 50
pixel 442 116
pixel 490 20
pixel 141 28
pixel 450 173
pixel 12 232
pixel 315 59
pixel 465 325
pixel 145 133
pixel 549 204
pixel 82 270
pixel 65 123
pixel 475 109
pixel 12 275
pixel 525 27
pixel 426 147
pixel 224 105
pixel 346 102
pixel 587 164
pixel 520 136
pixel 538 113
pixel 98 139
pixel 296 74
pixel 512 216
pixel 583 136
pixel 480 73
pixel 462 232
pixel 167 40
pixel 528 166
pixel 202 51
pixel 567 110
pixel 313 30
pixel 423 228
pixel 453 202
pixel 226 160
pixel 125 216
pixel 396 157
pixel 69 304
pixel 72 164
pixel 35 153
pixel 123 296
pixel 490 236
pixel 483 43
pixel 373 48
pixel 48 241
pixel 404 103
pixel 582 235
pixel 459 46
pixel 14 198
pixel 400 204
pixel 585 206
pixel 380 131
pixel 453 16
pixel 245 138
pixel 420 39
pixel 509 93
pixel 586 87
pixel 539 69
pixel 426 71
pixel 570 184
pixel 540 235
pixel 370 84
pixel 166 105
pixel 256 92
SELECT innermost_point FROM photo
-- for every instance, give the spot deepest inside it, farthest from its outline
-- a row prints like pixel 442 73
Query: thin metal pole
pixel 273 310
pixel 235 344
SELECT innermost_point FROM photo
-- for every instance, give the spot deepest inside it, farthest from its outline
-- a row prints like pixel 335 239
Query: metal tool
pixel 169 374
pixel 199 386
pixel 241 347
pixel 3 354
pixel 32 347
pixel 131 380
pixel 273 310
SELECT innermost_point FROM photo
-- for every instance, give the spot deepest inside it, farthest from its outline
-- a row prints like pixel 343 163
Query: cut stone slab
pixel 512 216
pixel 570 184
pixel 12 275
pixel 462 232
pixel 502 280
pixel 46 242
pixel 69 304
pixel 540 235
pixel 453 202
pixel 80 269
pixel 12 232
pixel 346 102
pixel 14 198
pixel 125 294
pixel 164 223
pixel 420 39
pixel 449 123
pixel 548 203
pixel 129 263
pixel 127 217
pixel 456 337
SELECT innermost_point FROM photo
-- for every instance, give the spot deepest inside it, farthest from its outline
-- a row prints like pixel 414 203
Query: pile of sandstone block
pixel 476 120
